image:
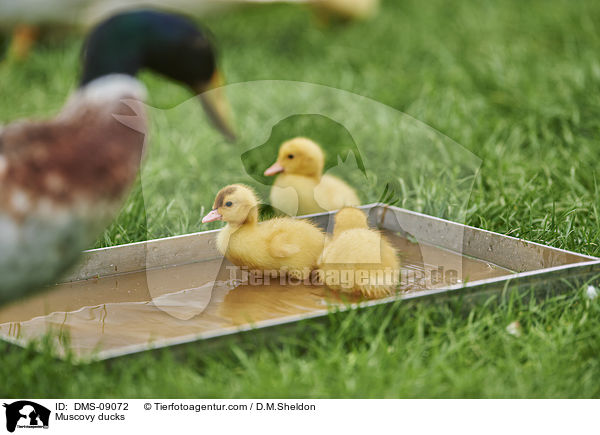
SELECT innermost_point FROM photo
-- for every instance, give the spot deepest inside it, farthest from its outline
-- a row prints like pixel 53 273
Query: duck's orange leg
pixel 23 39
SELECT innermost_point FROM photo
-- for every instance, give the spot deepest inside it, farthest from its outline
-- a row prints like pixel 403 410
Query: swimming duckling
pixel 301 188
pixel 358 259
pixel 280 244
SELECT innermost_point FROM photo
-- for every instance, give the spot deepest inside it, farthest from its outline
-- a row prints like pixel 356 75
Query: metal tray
pixel 514 264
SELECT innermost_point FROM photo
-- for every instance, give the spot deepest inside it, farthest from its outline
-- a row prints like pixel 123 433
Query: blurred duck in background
pixel 25 18
pixel 62 180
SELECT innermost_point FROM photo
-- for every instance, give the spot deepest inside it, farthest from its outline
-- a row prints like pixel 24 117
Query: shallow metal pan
pixel 531 265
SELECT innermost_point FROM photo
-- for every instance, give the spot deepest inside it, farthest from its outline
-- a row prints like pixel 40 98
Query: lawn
pixel 516 84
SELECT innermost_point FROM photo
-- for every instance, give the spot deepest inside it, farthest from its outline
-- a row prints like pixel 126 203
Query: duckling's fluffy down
pixel 281 244
pixel 359 260
pixel 300 195
pixel 277 245
pixel 301 188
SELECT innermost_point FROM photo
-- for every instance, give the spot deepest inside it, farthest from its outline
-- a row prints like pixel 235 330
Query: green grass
pixel 406 351
pixel 515 83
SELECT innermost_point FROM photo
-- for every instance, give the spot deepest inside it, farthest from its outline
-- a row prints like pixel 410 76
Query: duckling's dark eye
pixel 290 156
pixel 229 203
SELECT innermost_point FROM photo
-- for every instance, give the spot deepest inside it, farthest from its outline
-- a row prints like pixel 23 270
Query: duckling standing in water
pixel 280 244
pixel 301 188
pixel 358 259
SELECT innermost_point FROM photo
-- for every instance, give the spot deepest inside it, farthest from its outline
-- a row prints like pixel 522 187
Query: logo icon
pixel 26 414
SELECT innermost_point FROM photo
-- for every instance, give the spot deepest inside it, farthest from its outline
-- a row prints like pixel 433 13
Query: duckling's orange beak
pixel 214 215
pixel 275 168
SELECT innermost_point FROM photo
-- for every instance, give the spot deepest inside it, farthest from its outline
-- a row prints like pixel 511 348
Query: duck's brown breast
pixel 89 155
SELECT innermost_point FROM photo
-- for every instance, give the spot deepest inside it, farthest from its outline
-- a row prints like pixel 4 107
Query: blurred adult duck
pixel 24 18
pixel 63 179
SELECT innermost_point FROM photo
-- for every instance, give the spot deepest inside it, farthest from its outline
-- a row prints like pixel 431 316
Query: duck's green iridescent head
pixel 165 43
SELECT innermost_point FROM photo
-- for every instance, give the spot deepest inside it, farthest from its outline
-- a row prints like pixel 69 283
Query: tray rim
pixel 591 263
pixel 365 206
pixel 290 319
pixel 79 273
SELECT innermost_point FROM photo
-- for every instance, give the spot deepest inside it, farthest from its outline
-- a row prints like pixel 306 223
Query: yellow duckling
pixel 301 188
pixel 281 244
pixel 358 259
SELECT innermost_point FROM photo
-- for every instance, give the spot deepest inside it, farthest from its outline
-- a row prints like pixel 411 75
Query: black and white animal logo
pixel 26 414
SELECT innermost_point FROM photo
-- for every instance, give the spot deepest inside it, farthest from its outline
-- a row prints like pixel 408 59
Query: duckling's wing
pixel 281 247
